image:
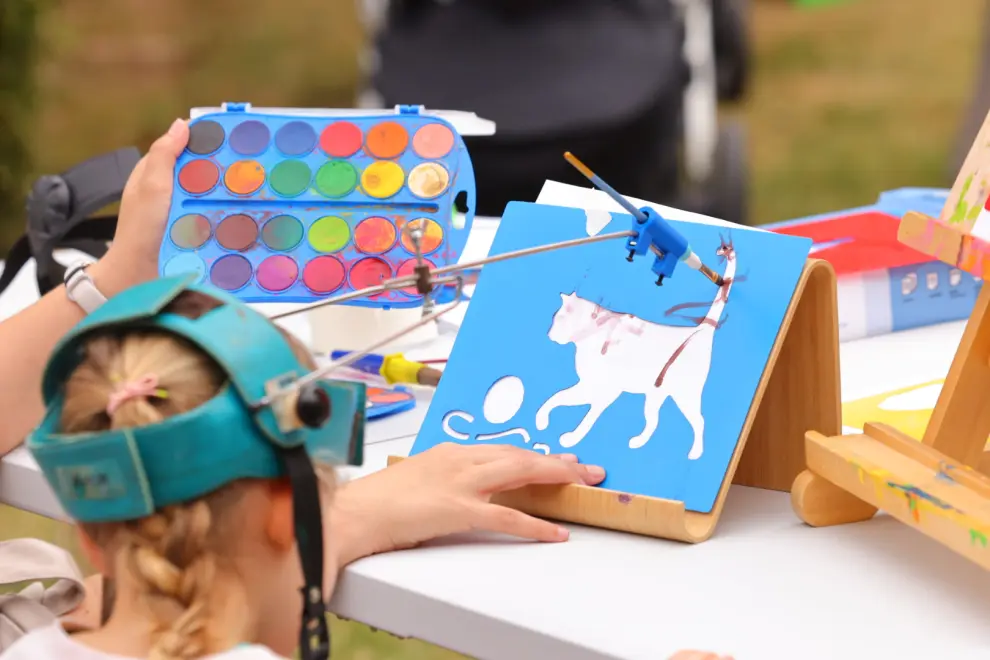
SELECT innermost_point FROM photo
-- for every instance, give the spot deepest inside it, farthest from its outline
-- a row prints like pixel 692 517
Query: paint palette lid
pixel 864 239
pixel 387 401
pixel 466 123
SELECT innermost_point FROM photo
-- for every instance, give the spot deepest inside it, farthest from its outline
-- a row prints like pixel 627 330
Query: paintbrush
pixel 673 242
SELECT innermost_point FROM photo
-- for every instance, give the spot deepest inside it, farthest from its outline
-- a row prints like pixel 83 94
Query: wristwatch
pixel 81 289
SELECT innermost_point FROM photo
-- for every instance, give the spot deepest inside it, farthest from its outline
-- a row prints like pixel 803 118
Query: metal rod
pixel 410 280
pixel 351 358
pixel 525 252
pixel 387 285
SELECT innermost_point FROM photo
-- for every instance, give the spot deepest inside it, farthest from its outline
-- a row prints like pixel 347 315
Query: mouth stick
pixel 604 187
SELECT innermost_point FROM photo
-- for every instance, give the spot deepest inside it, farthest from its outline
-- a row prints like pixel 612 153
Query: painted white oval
pixel 504 399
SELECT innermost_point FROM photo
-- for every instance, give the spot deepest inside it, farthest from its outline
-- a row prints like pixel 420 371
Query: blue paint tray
pixel 297 206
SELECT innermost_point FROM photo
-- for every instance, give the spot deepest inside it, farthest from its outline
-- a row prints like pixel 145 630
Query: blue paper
pixel 535 322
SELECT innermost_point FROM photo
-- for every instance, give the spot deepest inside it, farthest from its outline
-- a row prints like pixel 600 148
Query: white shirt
pixel 52 643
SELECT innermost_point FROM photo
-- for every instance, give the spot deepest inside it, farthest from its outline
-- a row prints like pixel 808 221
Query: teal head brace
pixel 257 426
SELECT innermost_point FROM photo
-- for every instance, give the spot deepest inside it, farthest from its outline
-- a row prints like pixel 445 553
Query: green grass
pixel 848 100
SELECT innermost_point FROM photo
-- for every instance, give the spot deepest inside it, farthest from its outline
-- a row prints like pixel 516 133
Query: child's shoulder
pixel 51 642
pixel 46 642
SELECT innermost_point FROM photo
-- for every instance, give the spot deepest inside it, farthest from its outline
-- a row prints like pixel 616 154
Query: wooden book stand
pixel 799 390
pixel 935 484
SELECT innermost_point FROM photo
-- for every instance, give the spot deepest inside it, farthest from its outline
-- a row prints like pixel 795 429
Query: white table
pixel 765 587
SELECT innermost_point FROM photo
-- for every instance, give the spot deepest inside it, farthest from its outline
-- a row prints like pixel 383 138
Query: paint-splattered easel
pixel 935 485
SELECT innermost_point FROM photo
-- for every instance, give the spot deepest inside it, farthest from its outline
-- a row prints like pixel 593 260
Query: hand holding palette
pixel 295 207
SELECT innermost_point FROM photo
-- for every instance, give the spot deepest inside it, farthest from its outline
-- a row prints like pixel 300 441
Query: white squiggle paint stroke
pixel 540 447
pixel 523 433
pixel 468 417
pixel 596 220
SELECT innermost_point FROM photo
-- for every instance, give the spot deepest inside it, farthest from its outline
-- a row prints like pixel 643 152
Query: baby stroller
pixel 717 55
pixel 714 163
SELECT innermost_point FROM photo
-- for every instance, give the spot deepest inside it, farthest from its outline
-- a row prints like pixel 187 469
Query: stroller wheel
pixel 731 36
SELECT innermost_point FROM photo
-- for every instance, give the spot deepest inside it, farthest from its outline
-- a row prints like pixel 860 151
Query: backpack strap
pixel 58 216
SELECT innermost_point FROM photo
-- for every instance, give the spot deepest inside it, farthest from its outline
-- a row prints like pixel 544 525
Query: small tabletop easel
pixel 937 484
pixel 799 390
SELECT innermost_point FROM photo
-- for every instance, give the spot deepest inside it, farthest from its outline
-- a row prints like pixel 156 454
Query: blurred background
pixel 844 100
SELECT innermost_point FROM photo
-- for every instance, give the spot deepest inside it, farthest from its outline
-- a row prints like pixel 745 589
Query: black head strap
pixel 58 216
pixel 314 634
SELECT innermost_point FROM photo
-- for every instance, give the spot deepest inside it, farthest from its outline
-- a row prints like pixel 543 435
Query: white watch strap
pixel 81 289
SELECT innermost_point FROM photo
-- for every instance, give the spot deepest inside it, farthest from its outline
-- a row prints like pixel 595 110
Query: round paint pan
pixel 296 138
pixel 375 235
pixel 329 234
pixel 190 232
pixel 341 139
pixel 244 177
pixel 336 178
pixel 407 268
pixel 431 239
pixel 250 138
pixel 387 139
pixel 277 273
pixel 282 233
pixel 184 264
pixel 290 178
pixel 382 179
pixel 323 275
pixel 368 272
pixel 198 177
pixel 231 272
pixel 205 138
pixel 237 232
pixel 428 180
pixel 433 141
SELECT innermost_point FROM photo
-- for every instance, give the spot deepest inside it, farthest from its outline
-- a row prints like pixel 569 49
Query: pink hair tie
pixel 144 387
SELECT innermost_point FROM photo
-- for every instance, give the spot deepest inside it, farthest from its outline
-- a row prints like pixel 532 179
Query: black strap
pixel 58 216
pixel 90 237
pixel 314 634
pixel 99 182
pixel 16 259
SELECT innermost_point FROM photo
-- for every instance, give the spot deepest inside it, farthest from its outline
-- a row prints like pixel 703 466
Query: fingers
pixel 523 468
pixel 164 151
pixel 503 520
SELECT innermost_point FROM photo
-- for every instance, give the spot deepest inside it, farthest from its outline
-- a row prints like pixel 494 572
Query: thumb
pixel 504 520
pixel 161 157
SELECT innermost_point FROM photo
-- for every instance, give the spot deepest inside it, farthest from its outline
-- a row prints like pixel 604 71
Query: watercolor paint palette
pixel 297 207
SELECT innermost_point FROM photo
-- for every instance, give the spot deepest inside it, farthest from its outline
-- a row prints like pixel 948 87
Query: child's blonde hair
pixel 175 554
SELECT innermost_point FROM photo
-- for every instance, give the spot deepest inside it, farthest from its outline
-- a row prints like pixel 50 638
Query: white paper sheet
pixel 561 194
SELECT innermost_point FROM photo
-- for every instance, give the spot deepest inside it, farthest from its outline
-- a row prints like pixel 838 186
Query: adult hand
pixel 133 256
pixel 698 655
pixel 447 490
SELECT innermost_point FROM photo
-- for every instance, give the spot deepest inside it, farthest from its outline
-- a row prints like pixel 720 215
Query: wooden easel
pixel 936 484
pixel 799 390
